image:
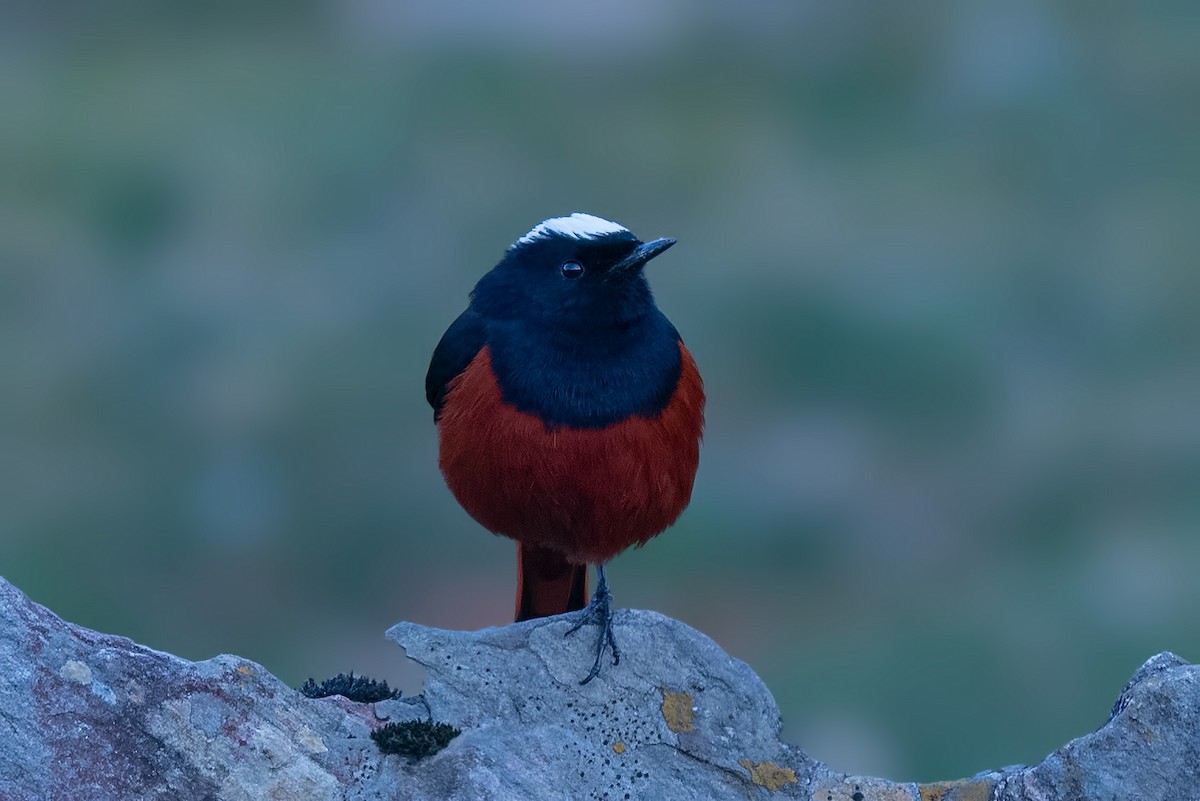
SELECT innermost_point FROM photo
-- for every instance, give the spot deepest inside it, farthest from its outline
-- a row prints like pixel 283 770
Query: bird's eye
pixel 571 269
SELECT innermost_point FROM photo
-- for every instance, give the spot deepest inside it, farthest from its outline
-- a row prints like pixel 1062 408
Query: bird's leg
pixel 599 611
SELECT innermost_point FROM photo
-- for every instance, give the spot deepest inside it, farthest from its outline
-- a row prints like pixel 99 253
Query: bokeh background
pixel 937 262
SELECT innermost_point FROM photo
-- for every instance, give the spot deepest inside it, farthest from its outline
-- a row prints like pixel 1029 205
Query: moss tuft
pixel 415 739
pixel 356 688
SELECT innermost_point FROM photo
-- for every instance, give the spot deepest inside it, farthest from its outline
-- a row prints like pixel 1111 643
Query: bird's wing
pixel 460 344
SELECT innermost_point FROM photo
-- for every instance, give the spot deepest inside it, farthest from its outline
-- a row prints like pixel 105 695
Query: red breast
pixel 586 493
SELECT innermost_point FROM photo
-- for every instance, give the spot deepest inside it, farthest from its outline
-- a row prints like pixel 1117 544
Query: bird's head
pixel 576 273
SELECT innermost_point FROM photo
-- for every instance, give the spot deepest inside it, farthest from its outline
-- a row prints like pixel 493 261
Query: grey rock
pixel 93 716
pixel 672 720
pixel 88 716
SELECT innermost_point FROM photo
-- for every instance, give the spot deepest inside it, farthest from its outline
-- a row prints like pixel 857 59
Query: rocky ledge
pixel 86 716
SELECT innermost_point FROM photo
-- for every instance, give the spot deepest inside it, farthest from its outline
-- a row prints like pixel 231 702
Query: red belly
pixel 586 493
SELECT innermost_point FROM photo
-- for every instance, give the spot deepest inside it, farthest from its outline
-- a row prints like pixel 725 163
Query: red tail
pixel 547 584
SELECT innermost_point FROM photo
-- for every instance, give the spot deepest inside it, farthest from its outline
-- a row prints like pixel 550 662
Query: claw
pixel 599 611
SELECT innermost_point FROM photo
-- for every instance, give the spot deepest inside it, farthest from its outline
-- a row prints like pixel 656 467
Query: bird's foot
pixel 599 611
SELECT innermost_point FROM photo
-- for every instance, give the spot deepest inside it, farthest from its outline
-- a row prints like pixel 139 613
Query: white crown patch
pixel 576 226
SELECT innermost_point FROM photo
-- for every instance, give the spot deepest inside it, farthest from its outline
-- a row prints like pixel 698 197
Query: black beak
pixel 642 254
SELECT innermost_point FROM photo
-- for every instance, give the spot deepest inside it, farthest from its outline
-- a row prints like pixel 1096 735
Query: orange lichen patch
pixel 964 790
pixel 677 711
pixel 934 792
pixel 768 774
pixel 245 670
pixel 619 748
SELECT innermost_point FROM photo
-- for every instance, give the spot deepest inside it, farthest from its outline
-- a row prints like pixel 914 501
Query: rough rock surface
pixel 92 716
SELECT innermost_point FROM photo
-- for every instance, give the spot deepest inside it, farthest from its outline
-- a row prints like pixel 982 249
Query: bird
pixel 569 412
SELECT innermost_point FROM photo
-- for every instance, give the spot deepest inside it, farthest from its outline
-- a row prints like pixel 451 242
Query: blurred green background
pixel 937 263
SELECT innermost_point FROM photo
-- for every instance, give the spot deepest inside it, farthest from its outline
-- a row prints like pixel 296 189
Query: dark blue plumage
pixel 580 351
pixel 459 345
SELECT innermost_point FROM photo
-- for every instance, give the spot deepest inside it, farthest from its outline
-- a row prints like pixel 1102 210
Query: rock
pixel 1148 749
pixel 676 719
pixel 92 716
pixel 87 716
